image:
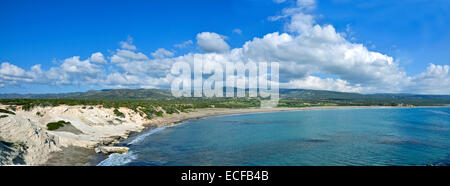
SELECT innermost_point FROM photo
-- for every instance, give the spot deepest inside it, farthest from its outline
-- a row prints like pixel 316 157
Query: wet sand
pixel 71 156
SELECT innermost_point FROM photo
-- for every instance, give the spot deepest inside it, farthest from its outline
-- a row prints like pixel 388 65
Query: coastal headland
pixel 27 140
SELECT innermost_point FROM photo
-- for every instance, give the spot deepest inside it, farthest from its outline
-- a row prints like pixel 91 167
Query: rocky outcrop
pixel 88 129
pixel 11 153
pixel 35 142
pixel 111 149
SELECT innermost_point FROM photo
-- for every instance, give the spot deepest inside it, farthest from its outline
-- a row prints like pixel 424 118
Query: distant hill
pixel 107 94
pixel 293 95
pixel 344 97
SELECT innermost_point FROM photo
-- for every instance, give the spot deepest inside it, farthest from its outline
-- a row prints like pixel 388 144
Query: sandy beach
pixel 93 127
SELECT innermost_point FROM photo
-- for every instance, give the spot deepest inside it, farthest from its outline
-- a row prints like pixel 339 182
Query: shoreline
pixel 87 157
pixel 24 135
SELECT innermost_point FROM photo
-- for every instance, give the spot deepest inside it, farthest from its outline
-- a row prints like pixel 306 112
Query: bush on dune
pixel 118 113
pixel 56 125
pixel 7 112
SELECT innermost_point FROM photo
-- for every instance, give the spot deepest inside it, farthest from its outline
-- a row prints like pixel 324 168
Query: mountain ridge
pixel 292 95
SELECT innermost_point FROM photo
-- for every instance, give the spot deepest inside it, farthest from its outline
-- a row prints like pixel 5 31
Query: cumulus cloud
pixel 322 50
pixel 237 31
pixel 73 70
pixel 306 4
pixel 184 44
pixel 127 44
pixel 98 58
pixel 11 70
pixel 317 83
pixel 435 80
pixel 300 23
pixel 307 52
pixel 161 53
pixel 75 65
pixel 138 64
pixel 211 42
pixel 70 71
pixel 279 1
pixel 12 74
pixel 126 56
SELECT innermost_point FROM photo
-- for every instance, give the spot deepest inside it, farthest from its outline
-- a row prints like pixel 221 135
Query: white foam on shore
pixel 116 159
pixel 122 159
pixel 143 136
pixel 156 130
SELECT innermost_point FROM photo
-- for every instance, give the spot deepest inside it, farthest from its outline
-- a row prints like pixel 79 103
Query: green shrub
pixel 118 113
pixel 7 112
pixel 12 107
pixel 56 125
pixel 3 116
pixel 27 107
pixel 159 113
pixel 39 114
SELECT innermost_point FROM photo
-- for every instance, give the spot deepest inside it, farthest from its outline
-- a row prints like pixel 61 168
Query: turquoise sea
pixel 382 136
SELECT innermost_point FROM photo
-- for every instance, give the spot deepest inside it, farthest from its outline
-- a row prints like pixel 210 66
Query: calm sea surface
pixel 385 136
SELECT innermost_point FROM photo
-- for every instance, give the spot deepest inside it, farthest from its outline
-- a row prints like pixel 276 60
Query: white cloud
pixel 237 31
pixel 125 56
pixel 435 80
pixel 300 6
pixel 317 83
pixel 73 71
pixel 279 1
pixel 75 65
pixel 184 44
pixel 212 42
pixel 137 63
pixel 11 70
pixel 300 23
pixel 127 44
pixel 161 53
pixel 313 48
pixel 306 52
pixel 98 58
pixel 12 74
pixel 306 4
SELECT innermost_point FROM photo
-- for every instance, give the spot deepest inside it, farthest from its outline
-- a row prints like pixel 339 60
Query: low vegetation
pixel 149 109
pixel 3 116
pixel 118 113
pixel 56 125
pixel 7 112
pixel 39 114
pixel 152 103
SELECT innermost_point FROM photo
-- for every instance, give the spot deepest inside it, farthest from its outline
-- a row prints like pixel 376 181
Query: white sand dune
pixel 96 126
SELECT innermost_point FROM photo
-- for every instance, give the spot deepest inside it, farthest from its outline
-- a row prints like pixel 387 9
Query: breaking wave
pixel 122 159
pixel 118 159
pixel 143 136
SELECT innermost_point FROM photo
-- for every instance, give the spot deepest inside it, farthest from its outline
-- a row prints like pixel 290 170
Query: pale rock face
pixel 38 142
pixel 97 126
pixel 108 150
pixel 11 153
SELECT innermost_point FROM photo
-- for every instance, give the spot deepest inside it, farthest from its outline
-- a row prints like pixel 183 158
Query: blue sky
pixel 39 31
pixel 413 32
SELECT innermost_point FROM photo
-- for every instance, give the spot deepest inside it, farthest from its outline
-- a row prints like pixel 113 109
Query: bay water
pixel 378 136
